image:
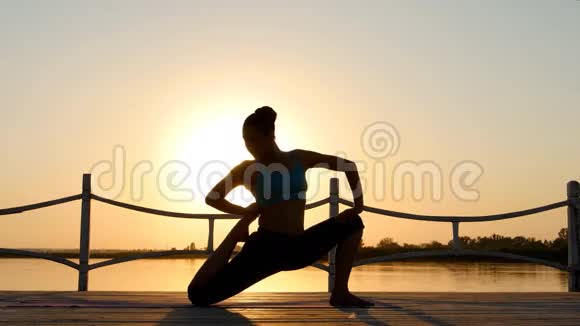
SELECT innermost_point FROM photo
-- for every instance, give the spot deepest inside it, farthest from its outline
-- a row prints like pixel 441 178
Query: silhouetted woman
pixel 277 180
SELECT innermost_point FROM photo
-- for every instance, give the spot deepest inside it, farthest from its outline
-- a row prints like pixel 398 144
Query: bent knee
pixel 198 294
pixel 198 297
pixel 194 294
pixel 354 221
pixel 358 222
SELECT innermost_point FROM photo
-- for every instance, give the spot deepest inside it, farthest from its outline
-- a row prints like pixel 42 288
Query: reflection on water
pixel 175 274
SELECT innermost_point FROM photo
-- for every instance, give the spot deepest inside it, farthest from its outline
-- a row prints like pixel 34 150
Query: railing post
pixel 573 191
pixel 210 236
pixel 84 249
pixel 332 211
pixel 456 243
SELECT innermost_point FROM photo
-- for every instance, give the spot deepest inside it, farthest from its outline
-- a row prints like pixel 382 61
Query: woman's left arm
pixel 313 159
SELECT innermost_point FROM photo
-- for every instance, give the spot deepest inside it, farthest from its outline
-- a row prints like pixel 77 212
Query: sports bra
pixel 273 187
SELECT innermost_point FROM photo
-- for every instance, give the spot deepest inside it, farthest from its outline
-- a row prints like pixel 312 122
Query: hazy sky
pixel 492 82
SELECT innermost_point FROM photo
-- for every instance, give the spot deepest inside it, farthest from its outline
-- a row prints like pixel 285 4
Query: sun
pixel 212 147
pixel 210 143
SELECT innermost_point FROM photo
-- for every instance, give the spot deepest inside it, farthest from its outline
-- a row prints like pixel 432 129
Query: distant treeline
pixel 555 250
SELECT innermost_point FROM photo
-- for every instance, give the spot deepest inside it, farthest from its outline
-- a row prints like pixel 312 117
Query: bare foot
pixel 348 300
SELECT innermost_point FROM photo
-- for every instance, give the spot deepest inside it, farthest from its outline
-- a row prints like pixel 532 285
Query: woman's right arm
pixel 216 197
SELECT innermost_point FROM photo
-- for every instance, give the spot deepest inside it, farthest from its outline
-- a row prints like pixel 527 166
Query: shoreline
pixel 120 254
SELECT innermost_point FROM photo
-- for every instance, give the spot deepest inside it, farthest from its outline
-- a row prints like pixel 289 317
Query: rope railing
pixel 21 209
pixel 185 215
pixel 573 204
pixel 28 253
pixel 462 219
pixel 462 252
pixel 161 212
pixel 153 254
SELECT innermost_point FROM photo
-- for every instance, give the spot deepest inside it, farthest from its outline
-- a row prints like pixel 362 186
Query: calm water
pixel 175 274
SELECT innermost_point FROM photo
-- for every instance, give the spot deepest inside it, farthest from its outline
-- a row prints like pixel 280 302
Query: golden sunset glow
pixel 178 88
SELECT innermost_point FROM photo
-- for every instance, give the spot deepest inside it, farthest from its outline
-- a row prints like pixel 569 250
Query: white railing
pixel 572 202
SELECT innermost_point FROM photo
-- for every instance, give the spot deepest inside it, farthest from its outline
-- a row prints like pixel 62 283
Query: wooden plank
pixel 394 308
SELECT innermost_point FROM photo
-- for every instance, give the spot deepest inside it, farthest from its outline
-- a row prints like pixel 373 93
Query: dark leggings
pixel 266 253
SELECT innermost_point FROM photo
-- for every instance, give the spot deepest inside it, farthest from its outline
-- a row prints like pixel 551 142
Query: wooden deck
pixel 396 308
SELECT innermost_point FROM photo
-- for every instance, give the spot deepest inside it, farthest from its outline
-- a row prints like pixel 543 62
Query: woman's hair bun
pixel 263 119
pixel 267 113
